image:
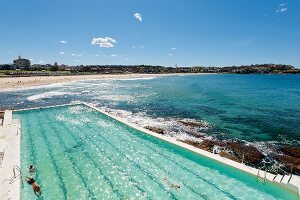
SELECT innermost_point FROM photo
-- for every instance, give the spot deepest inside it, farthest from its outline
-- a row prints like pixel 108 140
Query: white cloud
pixel 140 47
pixel 97 55
pixel 173 49
pixel 105 42
pixel 281 10
pixel 74 54
pixel 62 52
pixel 31 59
pixel 281 5
pixel 170 54
pixel 115 56
pixel 138 16
pixel 63 42
pixel 41 61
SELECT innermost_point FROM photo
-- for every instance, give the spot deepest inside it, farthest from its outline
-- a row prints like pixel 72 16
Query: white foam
pixel 48 95
pixel 172 127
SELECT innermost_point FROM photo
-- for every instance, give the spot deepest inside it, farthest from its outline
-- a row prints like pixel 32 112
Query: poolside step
pixel 278 178
pixel 285 179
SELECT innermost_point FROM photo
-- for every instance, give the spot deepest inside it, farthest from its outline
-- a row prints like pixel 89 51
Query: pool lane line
pixel 141 169
pixel 74 166
pixel 56 168
pixel 184 168
pixel 100 171
pixel 151 178
pixel 158 166
pixel 32 151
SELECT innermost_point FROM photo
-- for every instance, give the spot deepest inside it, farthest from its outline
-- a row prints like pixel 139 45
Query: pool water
pixel 80 153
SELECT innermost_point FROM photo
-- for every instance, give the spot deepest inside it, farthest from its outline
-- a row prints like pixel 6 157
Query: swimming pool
pixel 80 153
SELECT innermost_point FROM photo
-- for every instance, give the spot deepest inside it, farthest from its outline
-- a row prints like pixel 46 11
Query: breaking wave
pixel 48 95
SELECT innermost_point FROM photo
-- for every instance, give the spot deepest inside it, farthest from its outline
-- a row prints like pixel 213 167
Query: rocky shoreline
pixel 284 159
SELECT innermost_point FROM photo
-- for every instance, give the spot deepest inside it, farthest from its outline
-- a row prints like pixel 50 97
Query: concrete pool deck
pixel 10 147
pixel 12 191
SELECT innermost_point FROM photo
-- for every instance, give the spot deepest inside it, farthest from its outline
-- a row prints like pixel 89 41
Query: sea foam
pixel 48 95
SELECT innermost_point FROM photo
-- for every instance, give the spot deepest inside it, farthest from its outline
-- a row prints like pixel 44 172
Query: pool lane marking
pixel 141 169
pixel 158 166
pixel 32 147
pixel 168 158
pixel 57 171
pixel 75 167
pixel 135 164
pixel 88 155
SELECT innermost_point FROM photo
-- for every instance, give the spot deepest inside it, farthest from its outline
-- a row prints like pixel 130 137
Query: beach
pixel 11 83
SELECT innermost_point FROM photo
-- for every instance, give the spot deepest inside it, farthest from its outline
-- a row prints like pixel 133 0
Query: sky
pixel 154 32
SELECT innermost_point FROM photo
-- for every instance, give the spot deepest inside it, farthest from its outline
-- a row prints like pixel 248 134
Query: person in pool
pixel 36 188
pixel 173 185
pixel 31 169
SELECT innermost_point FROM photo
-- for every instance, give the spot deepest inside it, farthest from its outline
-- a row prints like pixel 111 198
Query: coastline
pixel 12 83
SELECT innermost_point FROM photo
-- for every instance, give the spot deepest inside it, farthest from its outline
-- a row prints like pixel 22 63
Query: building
pixel 21 63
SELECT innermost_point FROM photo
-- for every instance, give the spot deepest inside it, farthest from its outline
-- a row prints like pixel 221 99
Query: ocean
pixel 262 110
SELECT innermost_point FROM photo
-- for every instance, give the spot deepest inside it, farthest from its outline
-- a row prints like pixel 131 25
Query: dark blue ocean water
pixel 254 108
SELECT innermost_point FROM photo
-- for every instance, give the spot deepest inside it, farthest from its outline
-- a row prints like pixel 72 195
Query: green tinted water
pixel 80 153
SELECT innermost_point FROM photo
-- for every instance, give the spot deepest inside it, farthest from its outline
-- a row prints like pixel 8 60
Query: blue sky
pixel 156 32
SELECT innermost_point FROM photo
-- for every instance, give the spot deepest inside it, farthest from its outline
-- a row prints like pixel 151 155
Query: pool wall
pixel 289 182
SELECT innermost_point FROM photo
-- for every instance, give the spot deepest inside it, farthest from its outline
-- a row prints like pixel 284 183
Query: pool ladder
pixel 260 178
pixel 17 175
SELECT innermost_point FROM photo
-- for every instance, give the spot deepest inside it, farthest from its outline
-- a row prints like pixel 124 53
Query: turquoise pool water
pixel 80 153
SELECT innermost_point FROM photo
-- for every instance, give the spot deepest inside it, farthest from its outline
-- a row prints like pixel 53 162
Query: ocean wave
pixel 46 95
pixel 178 128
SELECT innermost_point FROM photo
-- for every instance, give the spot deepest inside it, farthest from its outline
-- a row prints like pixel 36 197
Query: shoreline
pixel 12 83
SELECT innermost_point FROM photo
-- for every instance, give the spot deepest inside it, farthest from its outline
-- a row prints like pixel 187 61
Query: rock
pixel 240 152
pixel 289 162
pixel 195 134
pixel 248 154
pixel 191 142
pixel 155 129
pixel 209 144
pixel 291 151
pixel 229 156
pixel 206 145
pixel 193 124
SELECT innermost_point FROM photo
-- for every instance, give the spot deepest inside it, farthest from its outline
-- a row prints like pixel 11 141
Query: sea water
pixel 254 108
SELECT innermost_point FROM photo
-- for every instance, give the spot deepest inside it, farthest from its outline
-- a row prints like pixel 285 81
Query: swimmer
pixel 31 169
pixel 173 185
pixel 36 188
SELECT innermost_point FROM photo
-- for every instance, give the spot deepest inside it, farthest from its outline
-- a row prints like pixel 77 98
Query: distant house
pixel 21 63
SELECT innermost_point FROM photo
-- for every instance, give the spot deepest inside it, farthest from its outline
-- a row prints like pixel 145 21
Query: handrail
pixel 16 167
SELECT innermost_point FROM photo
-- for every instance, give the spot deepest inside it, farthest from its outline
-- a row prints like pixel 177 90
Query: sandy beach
pixel 11 83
